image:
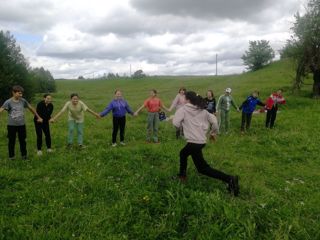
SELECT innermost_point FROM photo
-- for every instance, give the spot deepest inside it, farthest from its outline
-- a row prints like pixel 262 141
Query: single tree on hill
pixel 259 54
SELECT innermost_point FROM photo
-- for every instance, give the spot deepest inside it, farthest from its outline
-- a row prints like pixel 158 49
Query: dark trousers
pixel 246 121
pixel 271 117
pixel 118 122
pixel 22 135
pixel 195 150
pixel 43 127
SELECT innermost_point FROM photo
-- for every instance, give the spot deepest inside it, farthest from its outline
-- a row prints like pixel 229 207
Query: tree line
pixel 15 70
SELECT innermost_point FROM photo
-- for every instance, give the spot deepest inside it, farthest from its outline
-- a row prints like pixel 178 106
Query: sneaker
pixel 12 158
pixel 114 145
pixel 82 146
pixel 49 150
pixel 122 143
pixel 233 185
pixel 182 179
pixel 39 153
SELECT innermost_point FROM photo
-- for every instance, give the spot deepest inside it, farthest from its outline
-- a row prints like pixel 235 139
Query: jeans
pixel 79 126
pixel 245 121
pixel 22 135
pixel 153 126
pixel 118 122
pixel 271 117
pixel 42 127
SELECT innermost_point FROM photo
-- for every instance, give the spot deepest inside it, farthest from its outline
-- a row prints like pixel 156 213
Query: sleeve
pixel 178 117
pixel 214 123
pixel 175 102
pixel 6 105
pixel 128 108
pixel 260 103
pixel 25 103
pixel 65 107
pixel 244 103
pixel 233 103
pixel 107 110
pixel 219 103
pixel 84 106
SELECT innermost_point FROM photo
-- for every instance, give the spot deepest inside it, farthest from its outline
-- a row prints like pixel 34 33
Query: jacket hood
pixel 192 109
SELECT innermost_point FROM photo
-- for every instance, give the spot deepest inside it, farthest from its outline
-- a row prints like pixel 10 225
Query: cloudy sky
pixel 162 37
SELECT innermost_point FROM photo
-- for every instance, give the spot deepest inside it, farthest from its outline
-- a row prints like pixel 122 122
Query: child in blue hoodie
pixel 119 108
pixel 247 107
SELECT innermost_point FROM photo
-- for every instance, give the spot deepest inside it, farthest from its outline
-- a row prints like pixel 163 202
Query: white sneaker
pixel 114 145
pixel 39 153
pixel 49 150
pixel 122 143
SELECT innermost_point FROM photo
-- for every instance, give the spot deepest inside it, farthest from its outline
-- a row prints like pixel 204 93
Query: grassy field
pixel 127 192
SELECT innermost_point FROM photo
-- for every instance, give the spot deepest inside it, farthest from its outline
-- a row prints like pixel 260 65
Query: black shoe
pixel 182 179
pixel 24 157
pixel 233 185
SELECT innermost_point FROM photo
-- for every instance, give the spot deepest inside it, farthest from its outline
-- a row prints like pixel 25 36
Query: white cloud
pixel 79 37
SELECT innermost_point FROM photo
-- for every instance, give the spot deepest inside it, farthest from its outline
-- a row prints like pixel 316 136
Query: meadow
pixel 127 192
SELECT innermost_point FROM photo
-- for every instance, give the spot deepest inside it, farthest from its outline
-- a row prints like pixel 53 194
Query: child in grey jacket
pixel 196 121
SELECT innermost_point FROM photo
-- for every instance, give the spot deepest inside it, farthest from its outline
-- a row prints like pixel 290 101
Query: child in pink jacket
pixel 196 121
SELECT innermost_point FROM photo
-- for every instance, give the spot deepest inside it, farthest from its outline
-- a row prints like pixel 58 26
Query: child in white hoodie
pixel 195 121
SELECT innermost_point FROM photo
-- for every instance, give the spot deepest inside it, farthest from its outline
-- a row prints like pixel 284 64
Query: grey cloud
pixel 246 10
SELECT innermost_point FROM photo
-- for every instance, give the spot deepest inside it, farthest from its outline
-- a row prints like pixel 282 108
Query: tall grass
pixel 127 192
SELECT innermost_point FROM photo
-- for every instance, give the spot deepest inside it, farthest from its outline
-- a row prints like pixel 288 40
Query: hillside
pixel 127 192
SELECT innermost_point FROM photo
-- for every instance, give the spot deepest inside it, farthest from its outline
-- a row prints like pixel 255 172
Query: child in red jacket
pixel 272 107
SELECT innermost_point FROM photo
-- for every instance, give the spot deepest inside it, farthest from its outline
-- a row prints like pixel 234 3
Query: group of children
pixel 194 118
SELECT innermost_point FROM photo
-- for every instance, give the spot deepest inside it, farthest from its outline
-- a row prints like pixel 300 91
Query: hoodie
pixel 195 122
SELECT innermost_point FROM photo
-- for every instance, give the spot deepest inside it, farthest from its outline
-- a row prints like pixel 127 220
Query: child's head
pixel 228 91
pixel 210 94
pixel 153 92
pixel 255 94
pixel 74 98
pixel 182 90
pixel 279 92
pixel 17 91
pixel 195 99
pixel 117 93
pixel 47 98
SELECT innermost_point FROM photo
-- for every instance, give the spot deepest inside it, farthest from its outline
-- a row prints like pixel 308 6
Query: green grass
pixel 127 193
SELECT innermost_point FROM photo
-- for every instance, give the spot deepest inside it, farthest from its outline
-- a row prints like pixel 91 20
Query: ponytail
pixel 196 100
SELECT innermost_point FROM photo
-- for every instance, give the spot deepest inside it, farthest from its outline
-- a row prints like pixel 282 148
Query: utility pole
pixel 216 64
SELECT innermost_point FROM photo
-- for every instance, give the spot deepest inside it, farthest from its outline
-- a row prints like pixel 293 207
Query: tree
pixel 138 74
pixel 259 54
pixel 43 81
pixel 304 46
pixel 13 68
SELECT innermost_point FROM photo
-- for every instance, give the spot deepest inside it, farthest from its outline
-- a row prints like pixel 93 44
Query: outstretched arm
pixel 139 109
pixel 35 113
pixel 94 113
pixel 59 113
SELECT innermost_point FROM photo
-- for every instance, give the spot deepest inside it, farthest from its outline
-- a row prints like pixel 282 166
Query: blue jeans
pixel 79 127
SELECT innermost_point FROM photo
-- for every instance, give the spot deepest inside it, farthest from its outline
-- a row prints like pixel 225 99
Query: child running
pixel 76 109
pixel 247 107
pixel 119 108
pixel 16 121
pixel 153 105
pixel 195 121
pixel 177 103
pixel 44 109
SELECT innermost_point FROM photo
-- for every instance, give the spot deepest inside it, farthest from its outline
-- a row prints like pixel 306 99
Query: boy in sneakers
pixel 16 121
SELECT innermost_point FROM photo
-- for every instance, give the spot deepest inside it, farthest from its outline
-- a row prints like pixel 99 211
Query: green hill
pixel 127 193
